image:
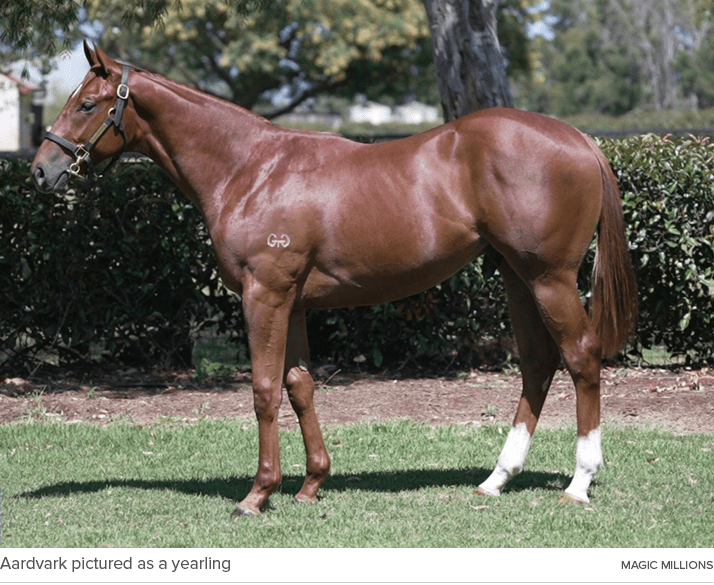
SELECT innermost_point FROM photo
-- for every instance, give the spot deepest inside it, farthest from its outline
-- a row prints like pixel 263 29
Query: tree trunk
pixel 470 68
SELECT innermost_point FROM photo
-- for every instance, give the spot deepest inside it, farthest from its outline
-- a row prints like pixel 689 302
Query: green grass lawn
pixel 394 484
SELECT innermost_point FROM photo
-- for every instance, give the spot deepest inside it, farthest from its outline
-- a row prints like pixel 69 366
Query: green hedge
pixel 668 198
pixel 121 269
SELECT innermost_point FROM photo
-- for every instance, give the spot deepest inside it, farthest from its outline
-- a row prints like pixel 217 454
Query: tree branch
pixel 304 96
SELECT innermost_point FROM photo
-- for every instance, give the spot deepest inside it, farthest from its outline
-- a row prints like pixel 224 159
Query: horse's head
pixel 90 128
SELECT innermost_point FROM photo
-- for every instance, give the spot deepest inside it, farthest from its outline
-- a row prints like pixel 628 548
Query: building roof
pixel 25 88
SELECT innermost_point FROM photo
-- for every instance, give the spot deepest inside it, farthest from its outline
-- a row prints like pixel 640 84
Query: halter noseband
pixel 82 152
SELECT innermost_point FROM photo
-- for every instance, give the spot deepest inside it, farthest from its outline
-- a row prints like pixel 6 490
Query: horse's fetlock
pixel 268 479
pixel 319 464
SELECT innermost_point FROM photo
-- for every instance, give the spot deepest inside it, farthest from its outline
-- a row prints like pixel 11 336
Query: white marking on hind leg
pixel 510 461
pixel 588 460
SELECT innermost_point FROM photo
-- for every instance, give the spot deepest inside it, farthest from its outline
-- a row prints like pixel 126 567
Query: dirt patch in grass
pixel 680 400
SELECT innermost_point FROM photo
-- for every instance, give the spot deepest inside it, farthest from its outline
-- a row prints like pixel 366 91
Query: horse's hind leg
pixel 301 388
pixel 539 359
pixel 563 313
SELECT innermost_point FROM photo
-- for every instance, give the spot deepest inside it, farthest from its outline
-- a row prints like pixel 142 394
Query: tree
pixel 471 70
pixel 34 24
pixel 697 72
pixel 377 46
pixel 298 48
pixel 612 56
pixel 587 70
pixel 660 30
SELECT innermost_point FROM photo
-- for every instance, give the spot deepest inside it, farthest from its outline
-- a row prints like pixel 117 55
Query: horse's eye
pixel 87 107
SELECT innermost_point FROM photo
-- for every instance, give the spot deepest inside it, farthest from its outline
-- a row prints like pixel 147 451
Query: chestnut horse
pixel 304 219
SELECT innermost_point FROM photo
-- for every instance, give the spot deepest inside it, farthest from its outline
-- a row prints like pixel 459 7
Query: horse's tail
pixel 613 310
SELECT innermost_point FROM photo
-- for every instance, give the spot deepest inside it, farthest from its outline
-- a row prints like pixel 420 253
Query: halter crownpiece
pixel 82 151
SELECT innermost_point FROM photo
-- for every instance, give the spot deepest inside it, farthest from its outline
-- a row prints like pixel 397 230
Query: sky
pixel 70 69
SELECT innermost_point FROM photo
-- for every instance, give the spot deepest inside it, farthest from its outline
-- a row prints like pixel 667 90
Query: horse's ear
pixel 98 59
pixel 104 60
pixel 89 54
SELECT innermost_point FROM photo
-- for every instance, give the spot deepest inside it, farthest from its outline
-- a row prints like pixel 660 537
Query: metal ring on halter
pixel 82 155
pixel 74 170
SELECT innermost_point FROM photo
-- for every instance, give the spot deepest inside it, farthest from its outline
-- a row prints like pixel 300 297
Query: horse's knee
pixel 300 387
pixel 592 346
pixel 296 378
pixel 266 398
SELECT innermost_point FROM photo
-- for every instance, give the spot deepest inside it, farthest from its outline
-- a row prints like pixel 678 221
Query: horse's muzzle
pixel 49 177
pixel 39 176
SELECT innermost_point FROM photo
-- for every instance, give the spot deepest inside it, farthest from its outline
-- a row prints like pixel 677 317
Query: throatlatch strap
pixel 122 99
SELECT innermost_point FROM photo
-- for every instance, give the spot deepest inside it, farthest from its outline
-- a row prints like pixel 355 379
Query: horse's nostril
pixel 39 177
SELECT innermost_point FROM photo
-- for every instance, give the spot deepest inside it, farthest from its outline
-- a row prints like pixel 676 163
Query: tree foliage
pixel 612 56
pixel 241 49
pixel 35 24
pixel 297 47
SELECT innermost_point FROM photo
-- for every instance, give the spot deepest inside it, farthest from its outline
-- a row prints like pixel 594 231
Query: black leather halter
pixel 113 119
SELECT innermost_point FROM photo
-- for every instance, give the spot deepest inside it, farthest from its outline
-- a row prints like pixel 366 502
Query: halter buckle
pixel 81 153
pixel 123 91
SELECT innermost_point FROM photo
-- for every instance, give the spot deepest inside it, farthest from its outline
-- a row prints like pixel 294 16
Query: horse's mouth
pixel 50 183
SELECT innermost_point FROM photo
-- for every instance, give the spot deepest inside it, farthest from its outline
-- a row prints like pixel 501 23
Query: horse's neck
pixel 200 141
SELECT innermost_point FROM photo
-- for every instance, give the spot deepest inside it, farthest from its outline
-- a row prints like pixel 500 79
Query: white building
pixel 416 113
pixel 376 114
pixel 20 118
pixel 369 113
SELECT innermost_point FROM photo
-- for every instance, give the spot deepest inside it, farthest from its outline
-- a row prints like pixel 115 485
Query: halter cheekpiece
pixel 82 151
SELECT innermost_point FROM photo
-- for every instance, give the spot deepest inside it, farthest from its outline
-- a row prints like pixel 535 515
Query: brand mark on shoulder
pixel 275 241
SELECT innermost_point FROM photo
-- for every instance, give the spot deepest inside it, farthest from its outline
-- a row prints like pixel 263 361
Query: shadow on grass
pixel 237 488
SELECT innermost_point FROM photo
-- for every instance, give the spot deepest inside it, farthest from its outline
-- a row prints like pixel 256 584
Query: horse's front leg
pixel 266 313
pixel 301 388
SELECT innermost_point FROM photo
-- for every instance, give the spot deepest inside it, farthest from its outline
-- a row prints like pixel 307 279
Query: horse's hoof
pixel 239 512
pixel 481 491
pixel 568 498
pixel 305 499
